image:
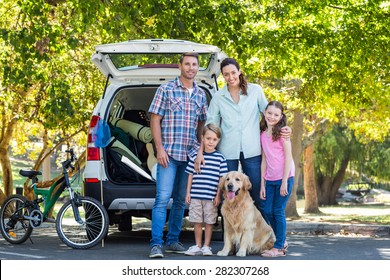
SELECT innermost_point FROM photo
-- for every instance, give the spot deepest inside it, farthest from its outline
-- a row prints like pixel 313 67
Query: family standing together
pixel 186 133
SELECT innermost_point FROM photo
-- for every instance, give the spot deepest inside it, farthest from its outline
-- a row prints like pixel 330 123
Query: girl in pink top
pixel 277 168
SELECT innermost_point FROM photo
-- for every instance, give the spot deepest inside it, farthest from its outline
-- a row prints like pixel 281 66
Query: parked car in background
pixel 121 175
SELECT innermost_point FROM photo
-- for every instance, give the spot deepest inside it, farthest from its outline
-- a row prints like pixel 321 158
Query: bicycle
pixel 81 223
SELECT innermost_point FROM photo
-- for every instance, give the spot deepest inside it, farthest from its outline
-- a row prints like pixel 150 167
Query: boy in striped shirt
pixel 203 194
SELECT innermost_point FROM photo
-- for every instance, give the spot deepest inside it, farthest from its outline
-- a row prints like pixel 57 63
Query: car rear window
pixel 125 62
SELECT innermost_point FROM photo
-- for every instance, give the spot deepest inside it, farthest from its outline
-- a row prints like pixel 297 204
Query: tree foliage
pixel 48 85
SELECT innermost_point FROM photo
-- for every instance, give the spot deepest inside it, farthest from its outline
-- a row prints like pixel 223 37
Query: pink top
pixel 274 154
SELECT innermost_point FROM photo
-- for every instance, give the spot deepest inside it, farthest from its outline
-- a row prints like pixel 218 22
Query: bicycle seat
pixel 29 173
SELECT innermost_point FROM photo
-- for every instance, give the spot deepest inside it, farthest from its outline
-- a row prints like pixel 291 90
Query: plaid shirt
pixel 181 114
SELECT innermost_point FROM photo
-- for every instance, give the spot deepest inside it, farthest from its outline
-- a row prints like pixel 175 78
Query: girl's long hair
pixel 276 130
pixel 243 80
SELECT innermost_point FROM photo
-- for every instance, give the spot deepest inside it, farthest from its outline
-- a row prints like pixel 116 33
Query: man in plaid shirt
pixel 178 114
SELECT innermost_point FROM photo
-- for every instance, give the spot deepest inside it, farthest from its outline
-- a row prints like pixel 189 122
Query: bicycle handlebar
pixel 68 163
pixel 72 155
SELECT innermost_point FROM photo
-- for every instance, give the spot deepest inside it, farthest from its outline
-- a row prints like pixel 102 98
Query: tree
pixel 338 53
pixel 333 153
pixel 338 150
pixel 42 73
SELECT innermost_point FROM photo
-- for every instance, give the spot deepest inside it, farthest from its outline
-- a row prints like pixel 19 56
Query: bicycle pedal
pixel 12 234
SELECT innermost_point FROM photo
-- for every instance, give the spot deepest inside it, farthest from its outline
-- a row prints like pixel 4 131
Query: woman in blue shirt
pixel 236 108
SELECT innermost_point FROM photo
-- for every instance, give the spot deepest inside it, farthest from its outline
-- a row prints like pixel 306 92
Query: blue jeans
pixel 274 209
pixel 252 168
pixel 170 181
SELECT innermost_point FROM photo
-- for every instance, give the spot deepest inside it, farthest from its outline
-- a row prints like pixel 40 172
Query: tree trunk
pixel 309 182
pixel 324 186
pixel 297 128
pixel 328 187
pixel 338 180
pixel 5 161
pixel 6 174
pixel 46 164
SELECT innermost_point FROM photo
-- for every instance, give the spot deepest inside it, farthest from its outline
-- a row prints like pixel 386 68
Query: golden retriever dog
pixel 244 227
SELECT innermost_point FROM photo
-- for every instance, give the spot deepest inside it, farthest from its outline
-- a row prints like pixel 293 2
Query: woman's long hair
pixel 243 81
pixel 276 130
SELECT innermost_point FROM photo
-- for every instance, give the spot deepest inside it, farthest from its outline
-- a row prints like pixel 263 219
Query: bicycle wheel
pixel 14 228
pixel 92 229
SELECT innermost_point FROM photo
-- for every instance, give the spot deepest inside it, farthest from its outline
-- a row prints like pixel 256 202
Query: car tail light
pixel 92 180
pixel 93 153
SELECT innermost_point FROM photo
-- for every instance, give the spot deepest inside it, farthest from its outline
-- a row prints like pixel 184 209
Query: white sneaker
pixel 193 251
pixel 206 251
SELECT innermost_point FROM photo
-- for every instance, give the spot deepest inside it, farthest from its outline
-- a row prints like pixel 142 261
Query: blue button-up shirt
pixel 240 123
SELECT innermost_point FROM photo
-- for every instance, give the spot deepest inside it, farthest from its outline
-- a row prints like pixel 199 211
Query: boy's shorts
pixel 202 211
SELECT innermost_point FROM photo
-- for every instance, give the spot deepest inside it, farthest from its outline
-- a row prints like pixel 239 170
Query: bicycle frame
pixel 51 195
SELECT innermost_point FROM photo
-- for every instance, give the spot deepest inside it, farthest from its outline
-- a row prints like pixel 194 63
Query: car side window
pixel 117 110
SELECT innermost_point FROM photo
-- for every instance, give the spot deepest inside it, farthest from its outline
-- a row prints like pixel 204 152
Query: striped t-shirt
pixel 205 184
